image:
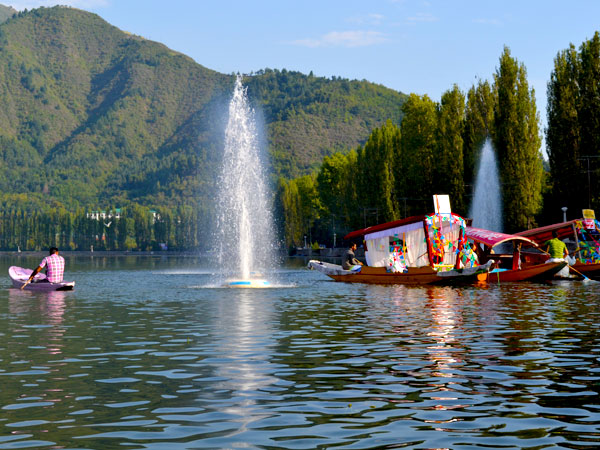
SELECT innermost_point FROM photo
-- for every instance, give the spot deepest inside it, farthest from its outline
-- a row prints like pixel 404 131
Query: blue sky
pixel 412 46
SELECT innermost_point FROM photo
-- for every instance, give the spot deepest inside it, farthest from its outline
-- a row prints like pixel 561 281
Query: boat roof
pixel 384 226
pixel 543 234
pixel 394 224
pixel 492 238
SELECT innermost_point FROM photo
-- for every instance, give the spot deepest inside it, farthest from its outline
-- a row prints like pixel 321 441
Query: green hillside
pixel 93 116
pixel 310 117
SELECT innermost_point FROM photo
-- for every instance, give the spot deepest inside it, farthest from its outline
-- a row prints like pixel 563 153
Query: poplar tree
pixel 299 201
pixel 517 141
pixel 479 120
pixel 289 201
pixel 310 205
pixel 589 115
pixel 336 186
pixel 449 169
pixel 563 132
pixel 418 146
pixel 377 175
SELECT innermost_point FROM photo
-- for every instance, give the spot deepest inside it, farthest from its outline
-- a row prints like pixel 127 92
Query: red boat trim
pixel 384 226
pixel 493 238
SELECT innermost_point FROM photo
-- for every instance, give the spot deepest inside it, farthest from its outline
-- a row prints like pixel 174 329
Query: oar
pixel 585 279
pixel 26 283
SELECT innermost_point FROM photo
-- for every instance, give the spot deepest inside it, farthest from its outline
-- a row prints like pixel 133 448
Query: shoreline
pixel 102 253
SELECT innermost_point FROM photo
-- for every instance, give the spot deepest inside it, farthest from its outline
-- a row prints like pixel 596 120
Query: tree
pixel 449 170
pixel 377 173
pixel 517 141
pixel 416 169
pixel 288 200
pixel 336 186
pixel 479 120
pixel 589 109
pixel 310 205
pixel 563 139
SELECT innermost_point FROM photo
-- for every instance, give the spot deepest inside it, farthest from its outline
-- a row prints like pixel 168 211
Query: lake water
pixel 145 354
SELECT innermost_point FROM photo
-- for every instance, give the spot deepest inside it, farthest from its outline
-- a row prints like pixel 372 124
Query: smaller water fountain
pixel 244 235
pixel 486 208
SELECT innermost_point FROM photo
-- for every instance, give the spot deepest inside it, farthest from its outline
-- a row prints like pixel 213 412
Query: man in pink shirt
pixel 55 268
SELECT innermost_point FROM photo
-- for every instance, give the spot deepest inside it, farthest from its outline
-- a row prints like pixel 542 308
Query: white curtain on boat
pixel 416 248
pixel 451 233
pixel 378 251
pixel 378 246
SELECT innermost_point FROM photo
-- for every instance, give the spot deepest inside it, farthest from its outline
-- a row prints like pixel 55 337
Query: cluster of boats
pixel 442 248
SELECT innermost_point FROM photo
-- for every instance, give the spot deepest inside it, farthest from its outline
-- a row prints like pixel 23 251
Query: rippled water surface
pixel 145 354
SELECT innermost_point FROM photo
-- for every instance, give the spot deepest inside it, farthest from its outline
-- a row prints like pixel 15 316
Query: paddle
pixel 585 279
pixel 26 283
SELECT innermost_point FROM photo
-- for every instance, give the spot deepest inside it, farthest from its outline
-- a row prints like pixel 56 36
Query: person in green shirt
pixel 556 248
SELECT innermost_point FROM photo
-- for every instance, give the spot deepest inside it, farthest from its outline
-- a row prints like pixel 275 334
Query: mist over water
pixel 486 209
pixel 244 235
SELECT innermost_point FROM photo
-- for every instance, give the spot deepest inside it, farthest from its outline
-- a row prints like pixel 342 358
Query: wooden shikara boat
pixel 412 276
pixel 425 249
pixel 583 233
pixel 509 266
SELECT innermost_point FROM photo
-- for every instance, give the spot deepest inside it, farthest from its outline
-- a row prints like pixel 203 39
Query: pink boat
pixel 20 275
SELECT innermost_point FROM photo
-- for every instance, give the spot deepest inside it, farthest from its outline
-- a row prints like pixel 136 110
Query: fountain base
pixel 248 283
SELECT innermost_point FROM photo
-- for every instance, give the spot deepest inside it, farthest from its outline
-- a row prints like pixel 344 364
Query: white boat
pixel 20 275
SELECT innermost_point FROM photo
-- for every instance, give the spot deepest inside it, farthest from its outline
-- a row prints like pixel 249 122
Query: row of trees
pixel 573 135
pixel 137 228
pixel 433 151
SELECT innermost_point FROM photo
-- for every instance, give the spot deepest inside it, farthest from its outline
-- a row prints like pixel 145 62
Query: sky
pixel 412 46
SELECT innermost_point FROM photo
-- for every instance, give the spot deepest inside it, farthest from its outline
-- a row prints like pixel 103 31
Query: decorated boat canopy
pixel 438 239
pixel 492 238
pixel 543 234
pixel 587 231
pixel 404 243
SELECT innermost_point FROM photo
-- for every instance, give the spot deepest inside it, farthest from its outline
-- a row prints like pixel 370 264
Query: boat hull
pixel 538 272
pixel 414 275
pixel 589 270
pixel 20 275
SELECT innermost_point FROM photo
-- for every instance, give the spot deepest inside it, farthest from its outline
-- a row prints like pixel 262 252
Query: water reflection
pixel 47 309
pixel 244 326
pixel 155 364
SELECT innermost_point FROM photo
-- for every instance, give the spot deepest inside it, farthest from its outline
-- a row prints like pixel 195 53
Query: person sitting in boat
pixel 55 268
pixel 350 259
pixel 558 251
pixel 556 248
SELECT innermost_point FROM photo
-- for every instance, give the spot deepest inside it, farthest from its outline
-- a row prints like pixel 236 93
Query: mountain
pixel 6 12
pixel 309 117
pixel 92 116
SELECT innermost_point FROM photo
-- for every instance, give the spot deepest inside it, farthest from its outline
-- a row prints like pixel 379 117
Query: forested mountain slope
pixel 93 116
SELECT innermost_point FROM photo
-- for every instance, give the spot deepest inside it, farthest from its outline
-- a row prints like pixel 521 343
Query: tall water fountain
pixel 486 208
pixel 244 235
